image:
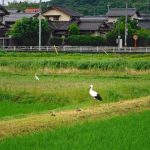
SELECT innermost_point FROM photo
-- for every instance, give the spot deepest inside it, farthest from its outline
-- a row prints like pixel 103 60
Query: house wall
pixel 112 19
pixel 1 15
pixel 134 17
pixel 53 12
pixel 96 33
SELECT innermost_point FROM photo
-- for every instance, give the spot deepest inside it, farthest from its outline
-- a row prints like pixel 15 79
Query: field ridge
pixel 53 120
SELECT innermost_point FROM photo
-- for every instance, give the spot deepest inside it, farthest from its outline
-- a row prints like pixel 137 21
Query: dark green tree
pixel 26 31
pixel 143 37
pixel 73 29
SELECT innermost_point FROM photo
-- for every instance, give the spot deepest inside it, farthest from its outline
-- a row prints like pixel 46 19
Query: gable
pixel 53 13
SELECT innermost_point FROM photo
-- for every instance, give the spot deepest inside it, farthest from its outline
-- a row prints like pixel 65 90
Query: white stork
pixel 94 94
pixel 36 77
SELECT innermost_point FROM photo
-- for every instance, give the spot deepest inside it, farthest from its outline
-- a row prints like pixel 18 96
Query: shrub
pixel 73 29
pixel 26 31
pixel 56 41
pixel 141 65
pixel 85 40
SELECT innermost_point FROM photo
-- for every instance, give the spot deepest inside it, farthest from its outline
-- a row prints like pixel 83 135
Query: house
pixel 3 12
pixel 3 29
pixel 93 25
pixel 144 21
pixel 60 13
pixel 60 18
pixel 114 13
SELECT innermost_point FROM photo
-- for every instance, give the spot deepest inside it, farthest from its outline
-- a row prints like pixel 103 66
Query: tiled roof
pixel 84 25
pixel 68 11
pixel 16 16
pixel 4 9
pixel 144 24
pixel 13 10
pixel 60 25
pixel 93 19
pixel 118 12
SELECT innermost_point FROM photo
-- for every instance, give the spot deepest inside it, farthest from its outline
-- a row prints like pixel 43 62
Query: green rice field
pixel 63 85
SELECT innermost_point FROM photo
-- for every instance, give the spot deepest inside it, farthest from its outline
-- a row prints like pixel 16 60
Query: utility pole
pixel 94 11
pixel 108 6
pixel 40 10
pixel 3 2
pixel 147 7
pixel 126 26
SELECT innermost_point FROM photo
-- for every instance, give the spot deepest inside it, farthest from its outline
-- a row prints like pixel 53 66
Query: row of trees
pixel 25 32
pixel 86 7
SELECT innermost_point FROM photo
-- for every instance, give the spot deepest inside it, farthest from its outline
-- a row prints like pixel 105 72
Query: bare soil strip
pixel 53 120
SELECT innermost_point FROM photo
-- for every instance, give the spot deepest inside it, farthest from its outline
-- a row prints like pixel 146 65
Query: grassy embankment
pixel 126 133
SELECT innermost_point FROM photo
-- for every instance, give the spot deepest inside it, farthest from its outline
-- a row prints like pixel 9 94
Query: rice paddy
pixel 63 86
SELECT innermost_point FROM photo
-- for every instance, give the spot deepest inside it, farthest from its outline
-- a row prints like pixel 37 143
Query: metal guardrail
pixel 77 49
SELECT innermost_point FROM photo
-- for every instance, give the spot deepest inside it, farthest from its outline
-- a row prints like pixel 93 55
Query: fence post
pixel 97 48
pixel 130 49
pixel 47 48
pixel 80 49
pixel 64 48
pixel 146 49
pixel 113 49
pixel 30 47
pixel 14 48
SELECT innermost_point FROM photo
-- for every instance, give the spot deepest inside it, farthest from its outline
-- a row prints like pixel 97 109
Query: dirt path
pixel 32 123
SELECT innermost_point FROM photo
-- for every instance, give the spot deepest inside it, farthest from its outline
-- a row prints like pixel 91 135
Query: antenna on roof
pixel 108 6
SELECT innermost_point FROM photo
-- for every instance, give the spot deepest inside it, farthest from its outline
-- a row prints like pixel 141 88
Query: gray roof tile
pixel 118 12
pixel 16 16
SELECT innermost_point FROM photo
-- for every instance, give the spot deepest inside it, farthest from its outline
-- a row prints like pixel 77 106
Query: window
pixel 55 18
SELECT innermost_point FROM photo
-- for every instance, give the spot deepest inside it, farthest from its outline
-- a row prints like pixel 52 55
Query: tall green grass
pixel 56 90
pixel 120 133
pixel 35 61
pixel 62 90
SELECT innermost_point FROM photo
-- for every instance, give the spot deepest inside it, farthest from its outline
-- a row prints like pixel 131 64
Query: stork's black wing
pixel 98 97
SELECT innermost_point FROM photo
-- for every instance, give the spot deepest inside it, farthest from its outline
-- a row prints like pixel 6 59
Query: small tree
pixel 73 29
pixel 26 31
pixel 120 26
pixel 143 37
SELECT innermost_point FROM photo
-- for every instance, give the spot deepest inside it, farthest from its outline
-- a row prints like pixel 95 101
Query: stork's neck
pixel 91 88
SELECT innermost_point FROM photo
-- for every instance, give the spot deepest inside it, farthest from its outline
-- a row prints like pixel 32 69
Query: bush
pixel 26 31
pixel 74 29
pixel 85 40
pixel 141 65
pixel 56 41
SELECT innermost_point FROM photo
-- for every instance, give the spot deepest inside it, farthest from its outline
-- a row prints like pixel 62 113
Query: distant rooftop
pixel 144 24
pixel 13 10
pixel 93 19
pixel 16 16
pixel 118 12
pixel 32 10
pixel 68 11
pixel 4 9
